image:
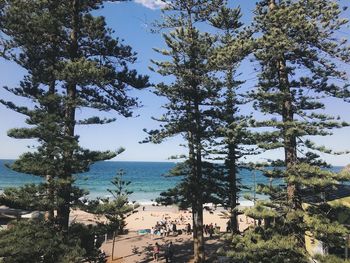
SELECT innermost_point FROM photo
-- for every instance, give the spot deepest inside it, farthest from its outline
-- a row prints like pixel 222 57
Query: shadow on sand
pixel 183 250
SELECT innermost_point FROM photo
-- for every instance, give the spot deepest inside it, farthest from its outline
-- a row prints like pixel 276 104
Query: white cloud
pixel 152 4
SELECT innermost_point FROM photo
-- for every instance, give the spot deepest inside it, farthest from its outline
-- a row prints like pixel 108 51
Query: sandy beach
pixel 150 215
pixel 137 247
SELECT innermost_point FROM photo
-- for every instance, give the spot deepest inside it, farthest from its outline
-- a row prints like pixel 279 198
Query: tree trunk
pixel 70 107
pixel 231 154
pixel 51 198
pixel 49 178
pixel 232 177
pixel 195 148
pixel 113 244
pixel 290 144
pixel 198 238
pixel 195 159
pixel 197 204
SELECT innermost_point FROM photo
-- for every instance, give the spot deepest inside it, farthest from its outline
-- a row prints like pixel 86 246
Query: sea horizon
pixel 147 179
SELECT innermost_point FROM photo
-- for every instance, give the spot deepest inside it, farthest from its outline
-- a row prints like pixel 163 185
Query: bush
pixel 330 259
pixel 33 242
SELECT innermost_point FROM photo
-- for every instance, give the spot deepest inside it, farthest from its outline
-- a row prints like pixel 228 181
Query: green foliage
pixel 263 246
pixel 87 239
pixel 232 139
pixel 31 241
pixel 328 224
pixel 116 209
pixel 190 96
pixel 29 197
pixel 261 212
pixel 72 61
pixel 39 241
pixel 298 49
pixel 181 194
pixel 294 78
pixel 330 259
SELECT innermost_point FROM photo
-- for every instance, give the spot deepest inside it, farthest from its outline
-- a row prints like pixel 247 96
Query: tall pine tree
pixel 72 62
pixel 298 49
pixel 233 139
pixel 190 95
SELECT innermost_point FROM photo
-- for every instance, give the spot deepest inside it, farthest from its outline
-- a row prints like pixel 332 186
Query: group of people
pixel 168 252
pixel 209 229
pixel 164 228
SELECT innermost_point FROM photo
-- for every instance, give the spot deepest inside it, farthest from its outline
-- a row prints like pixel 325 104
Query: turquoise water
pixel 147 178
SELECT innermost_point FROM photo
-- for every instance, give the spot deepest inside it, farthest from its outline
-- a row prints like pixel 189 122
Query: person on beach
pixel 174 229
pixel 167 232
pixel 169 252
pixel 228 227
pixel 156 250
pixel 188 229
pixel 211 230
pixel 206 227
pixel 152 233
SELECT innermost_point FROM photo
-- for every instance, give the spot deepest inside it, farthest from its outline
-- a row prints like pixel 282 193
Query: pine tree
pixel 295 34
pixel 234 140
pixel 212 183
pixel 41 61
pixel 190 95
pixel 72 62
pixel 298 50
pixel 118 208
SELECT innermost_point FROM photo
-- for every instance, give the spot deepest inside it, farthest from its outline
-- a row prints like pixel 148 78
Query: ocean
pixel 147 179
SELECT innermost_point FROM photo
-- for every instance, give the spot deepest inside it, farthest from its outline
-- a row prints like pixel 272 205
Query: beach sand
pixel 149 217
pixel 133 247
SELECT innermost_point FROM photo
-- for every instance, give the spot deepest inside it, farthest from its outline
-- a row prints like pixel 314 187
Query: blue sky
pixel 131 22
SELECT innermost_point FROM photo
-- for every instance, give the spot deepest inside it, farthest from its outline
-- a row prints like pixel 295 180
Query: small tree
pixel 118 208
